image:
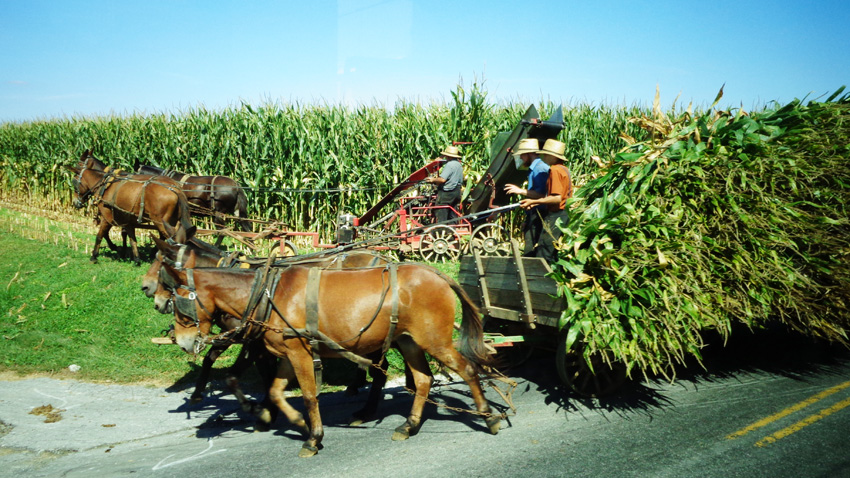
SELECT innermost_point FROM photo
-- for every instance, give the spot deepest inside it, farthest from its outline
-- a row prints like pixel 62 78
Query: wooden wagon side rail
pixel 505 290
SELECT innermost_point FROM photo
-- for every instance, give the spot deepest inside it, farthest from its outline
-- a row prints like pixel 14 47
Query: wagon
pixel 522 311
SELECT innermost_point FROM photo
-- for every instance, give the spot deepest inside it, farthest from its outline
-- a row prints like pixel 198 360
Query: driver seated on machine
pixel 449 185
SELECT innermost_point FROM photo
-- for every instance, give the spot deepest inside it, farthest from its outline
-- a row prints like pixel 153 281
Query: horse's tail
pixel 242 209
pixel 186 229
pixel 471 343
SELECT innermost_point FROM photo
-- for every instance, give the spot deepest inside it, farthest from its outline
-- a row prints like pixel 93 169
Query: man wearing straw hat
pixel 559 188
pixel 449 184
pixel 527 157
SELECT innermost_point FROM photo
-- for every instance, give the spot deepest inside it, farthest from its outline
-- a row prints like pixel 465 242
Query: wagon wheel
pixel 289 249
pixel 490 240
pixel 439 244
pixel 573 370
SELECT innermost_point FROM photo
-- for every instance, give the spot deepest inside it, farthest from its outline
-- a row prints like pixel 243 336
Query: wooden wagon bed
pixel 512 288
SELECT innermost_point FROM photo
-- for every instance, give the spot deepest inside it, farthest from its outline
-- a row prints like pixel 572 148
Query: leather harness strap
pixel 312 318
pixel 393 267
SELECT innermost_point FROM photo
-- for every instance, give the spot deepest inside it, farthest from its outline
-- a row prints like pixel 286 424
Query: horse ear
pixel 160 244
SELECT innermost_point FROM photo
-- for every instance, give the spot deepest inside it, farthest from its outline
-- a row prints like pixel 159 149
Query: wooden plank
pixel 540 285
pixel 523 284
pixel 482 279
pixel 514 316
pixel 534 266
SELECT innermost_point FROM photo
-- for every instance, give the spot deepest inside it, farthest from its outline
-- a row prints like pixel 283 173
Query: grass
pixel 59 309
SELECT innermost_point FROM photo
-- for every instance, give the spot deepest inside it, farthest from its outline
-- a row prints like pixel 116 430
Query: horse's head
pixel 176 293
pixel 85 179
pixel 185 255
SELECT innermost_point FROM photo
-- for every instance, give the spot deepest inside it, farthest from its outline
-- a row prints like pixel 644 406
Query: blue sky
pixel 90 58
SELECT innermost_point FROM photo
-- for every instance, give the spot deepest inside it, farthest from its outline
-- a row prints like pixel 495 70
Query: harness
pixel 113 177
pixel 260 305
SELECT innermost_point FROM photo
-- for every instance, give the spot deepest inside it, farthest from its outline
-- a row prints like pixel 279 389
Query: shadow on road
pixel 774 352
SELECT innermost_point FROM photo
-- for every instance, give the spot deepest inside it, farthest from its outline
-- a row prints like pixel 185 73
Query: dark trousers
pixel 551 233
pixel 531 229
pixel 446 198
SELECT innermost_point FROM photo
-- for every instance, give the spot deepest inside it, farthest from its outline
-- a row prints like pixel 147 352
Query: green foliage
pixel 719 217
pixel 57 309
pixel 301 165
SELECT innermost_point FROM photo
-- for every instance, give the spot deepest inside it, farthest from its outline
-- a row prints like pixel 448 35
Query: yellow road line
pixel 784 413
pixel 803 423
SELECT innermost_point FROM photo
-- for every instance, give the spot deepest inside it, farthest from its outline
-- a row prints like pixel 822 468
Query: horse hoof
pixel 351 391
pixel 307 451
pixel 260 427
pixel 195 399
pixel 93 260
pixel 403 432
pixel 494 424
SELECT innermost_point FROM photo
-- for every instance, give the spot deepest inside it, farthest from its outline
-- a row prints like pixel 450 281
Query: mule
pixel 198 253
pixel 213 196
pixel 351 320
pixel 131 201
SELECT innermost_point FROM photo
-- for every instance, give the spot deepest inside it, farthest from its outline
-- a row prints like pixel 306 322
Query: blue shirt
pixel 538 175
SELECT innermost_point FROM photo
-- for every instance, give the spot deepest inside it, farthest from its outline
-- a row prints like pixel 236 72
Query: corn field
pixel 688 221
pixel 301 165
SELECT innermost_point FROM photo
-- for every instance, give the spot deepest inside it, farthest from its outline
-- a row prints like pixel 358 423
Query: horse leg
pixel 130 232
pixel 219 224
pixel 379 379
pixel 358 381
pixel 254 352
pixel 204 377
pixel 414 356
pixel 101 232
pixel 111 245
pixel 302 363
pixel 456 362
pixel 276 394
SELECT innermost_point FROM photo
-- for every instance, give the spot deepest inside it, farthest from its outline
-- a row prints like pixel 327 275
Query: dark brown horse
pixel 214 196
pixel 200 254
pixel 354 309
pixel 131 201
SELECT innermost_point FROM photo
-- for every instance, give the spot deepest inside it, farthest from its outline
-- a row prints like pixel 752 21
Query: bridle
pixel 183 306
pixel 77 181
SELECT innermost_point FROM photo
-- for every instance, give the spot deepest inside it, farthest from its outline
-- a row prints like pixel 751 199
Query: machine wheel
pixel 289 249
pixel 574 371
pixel 439 244
pixel 490 240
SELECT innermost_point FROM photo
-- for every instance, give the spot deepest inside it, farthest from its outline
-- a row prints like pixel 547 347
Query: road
pixel 774 409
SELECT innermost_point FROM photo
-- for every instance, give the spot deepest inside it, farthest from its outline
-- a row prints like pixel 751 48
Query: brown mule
pixel 214 196
pixel 131 201
pixel 350 320
pixel 197 253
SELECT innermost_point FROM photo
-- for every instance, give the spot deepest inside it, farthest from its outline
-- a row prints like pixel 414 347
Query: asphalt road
pixel 766 407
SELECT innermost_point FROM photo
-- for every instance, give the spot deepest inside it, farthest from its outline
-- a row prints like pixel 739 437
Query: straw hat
pixel 450 151
pixel 527 145
pixel 555 148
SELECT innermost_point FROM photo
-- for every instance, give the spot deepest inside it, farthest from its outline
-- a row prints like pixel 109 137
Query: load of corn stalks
pixel 717 218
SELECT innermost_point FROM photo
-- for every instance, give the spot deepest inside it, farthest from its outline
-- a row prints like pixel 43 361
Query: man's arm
pixel 530 203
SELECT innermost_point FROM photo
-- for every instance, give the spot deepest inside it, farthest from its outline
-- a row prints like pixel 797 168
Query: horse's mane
pixel 148 169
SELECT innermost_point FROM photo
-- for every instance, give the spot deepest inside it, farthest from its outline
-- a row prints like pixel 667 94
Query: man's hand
pixel 514 189
pixel 527 203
